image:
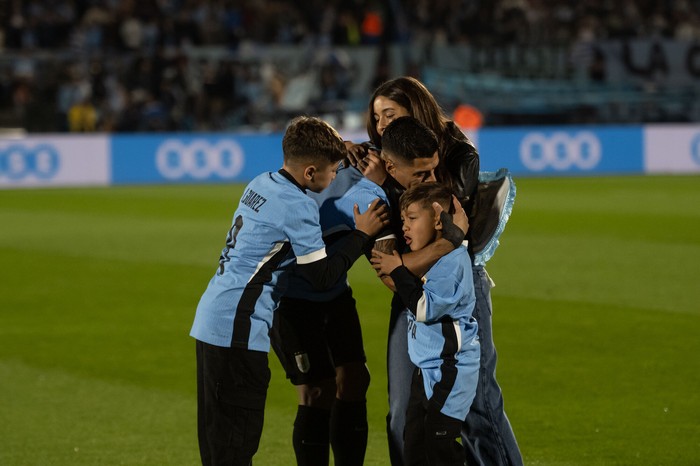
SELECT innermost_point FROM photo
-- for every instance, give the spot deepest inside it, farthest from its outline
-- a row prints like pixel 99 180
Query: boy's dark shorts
pixel 232 387
pixel 312 338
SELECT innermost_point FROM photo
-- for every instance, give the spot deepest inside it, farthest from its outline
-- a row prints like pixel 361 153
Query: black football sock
pixel 349 432
pixel 310 438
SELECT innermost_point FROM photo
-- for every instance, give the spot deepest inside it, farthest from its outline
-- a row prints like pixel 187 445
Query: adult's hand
pixel 373 168
pixel 356 152
pixel 454 227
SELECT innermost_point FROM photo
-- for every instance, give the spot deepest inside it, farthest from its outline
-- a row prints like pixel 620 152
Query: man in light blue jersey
pixel 442 334
pixel 275 224
pixel 318 338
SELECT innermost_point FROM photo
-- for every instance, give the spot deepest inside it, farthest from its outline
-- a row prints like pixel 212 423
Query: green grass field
pixel 596 316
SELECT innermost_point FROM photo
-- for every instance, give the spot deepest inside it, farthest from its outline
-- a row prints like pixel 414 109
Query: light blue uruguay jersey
pixel 442 335
pixel 335 205
pixel 274 217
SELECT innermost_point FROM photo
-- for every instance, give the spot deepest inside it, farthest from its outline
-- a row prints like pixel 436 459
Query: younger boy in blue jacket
pixel 442 334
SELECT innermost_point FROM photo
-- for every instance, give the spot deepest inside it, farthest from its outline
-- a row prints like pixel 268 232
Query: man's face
pixel 409 174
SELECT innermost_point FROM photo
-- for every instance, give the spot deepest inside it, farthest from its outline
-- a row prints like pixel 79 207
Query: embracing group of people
pixel 413 200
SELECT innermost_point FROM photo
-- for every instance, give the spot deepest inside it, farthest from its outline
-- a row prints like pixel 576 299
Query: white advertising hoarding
pixel 54 160
pixel 672 148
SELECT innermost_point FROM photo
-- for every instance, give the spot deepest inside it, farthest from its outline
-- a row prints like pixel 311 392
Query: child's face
pixel 322 176
pixel 419 226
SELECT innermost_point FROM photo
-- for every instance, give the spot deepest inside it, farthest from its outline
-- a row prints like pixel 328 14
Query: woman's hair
pixel 424 194
pixel 312 139
pixel 414 97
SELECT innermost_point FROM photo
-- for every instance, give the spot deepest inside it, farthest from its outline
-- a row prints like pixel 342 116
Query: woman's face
pixel 386 111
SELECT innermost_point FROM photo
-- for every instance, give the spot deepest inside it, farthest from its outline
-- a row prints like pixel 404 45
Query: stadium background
pixel 596 307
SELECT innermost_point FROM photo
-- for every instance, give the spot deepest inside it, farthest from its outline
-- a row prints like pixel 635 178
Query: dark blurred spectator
pixel 90 35
pixel 154 115
pixel 597 68
pixel 73 88
pixel 346 28
pixel 511 17
pixel 130 118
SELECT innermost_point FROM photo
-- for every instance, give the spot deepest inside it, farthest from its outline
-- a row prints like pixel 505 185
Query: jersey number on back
pixel 230 242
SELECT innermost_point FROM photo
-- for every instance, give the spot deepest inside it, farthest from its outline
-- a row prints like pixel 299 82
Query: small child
pixel 442 334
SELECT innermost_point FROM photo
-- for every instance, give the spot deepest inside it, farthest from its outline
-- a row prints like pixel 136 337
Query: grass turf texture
pixel 596 316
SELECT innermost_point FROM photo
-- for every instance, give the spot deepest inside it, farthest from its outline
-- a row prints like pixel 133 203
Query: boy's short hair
pixel 407 139
pixel 425 194
pixel 311 139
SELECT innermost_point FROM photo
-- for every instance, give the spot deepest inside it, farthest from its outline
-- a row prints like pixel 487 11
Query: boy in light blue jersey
pixel 442 334
pixel 318 339
pixel 275 224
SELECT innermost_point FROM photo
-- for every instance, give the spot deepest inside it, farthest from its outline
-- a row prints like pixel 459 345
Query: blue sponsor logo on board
pixel 184 158
pixel 562 150
pixel 19 161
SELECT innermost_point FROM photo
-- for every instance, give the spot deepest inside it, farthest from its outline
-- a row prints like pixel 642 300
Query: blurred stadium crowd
pixel 164 65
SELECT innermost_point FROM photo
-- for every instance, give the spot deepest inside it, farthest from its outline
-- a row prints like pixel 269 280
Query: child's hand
pixel 384 264
pixel 373 220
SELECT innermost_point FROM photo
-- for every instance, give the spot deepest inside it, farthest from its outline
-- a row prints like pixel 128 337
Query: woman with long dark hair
pixel 487 434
